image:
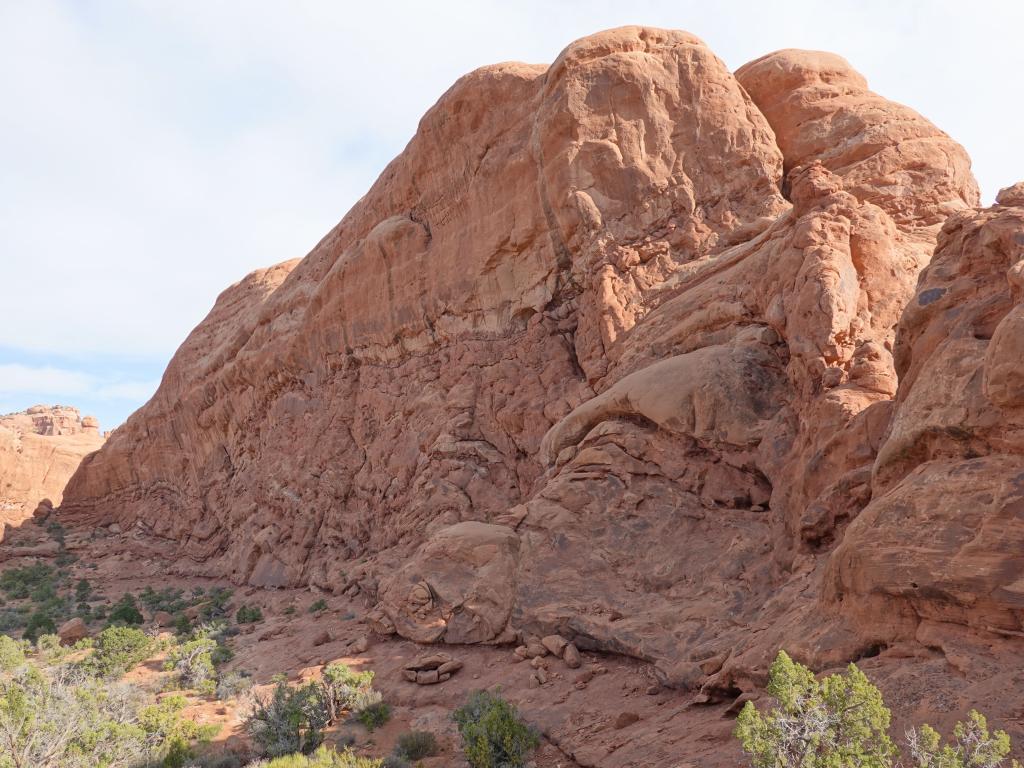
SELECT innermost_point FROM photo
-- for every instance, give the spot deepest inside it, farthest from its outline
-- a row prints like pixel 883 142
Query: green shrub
pixel 39 623
pixel 841 720
pixel 290 720
pixel 125 611
pixel 493 734
pixel 12 654
pixel 817 723
pixel 192 662
pixel 972 746
pixel 415 745
pixel 59 718
pixel 325 758
pixel 18 583
pixel 318 606
pixel 248 615
pixel 182 625
pixel 13 619
pixel 231 685
pixel 374 715
pixel 173 733
pixel 167 599
pixel 116 650
pixel 343 688
pixel 83 590
pixel 216 605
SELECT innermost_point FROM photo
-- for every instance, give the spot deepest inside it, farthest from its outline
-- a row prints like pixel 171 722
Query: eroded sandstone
pixel 629 350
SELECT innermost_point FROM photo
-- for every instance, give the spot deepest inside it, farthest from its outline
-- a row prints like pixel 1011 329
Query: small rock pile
pixel 431 668
pixel 536 648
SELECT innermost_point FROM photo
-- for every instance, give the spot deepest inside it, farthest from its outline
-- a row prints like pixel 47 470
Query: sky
pixel 152 153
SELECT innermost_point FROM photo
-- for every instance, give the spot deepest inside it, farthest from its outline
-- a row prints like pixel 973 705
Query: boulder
pixel 72 630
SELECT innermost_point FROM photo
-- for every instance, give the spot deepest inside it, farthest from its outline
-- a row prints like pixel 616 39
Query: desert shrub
pixel 318 606
pixel 13 619
pixel 216 605
pixel 61 718
pixel 50 650
pixel 374 715
pixel 324 758
pixel 182 625
pixel 125 611
pixel 344 689
pixel 493 734
pixel 972 746
pixel 248 615
pixel 19 583
pixel 12 654
pixel 231 685
pixel 167 599
pixel 289 611
pixel 173 733
pixel 39 623
pixel 396 761
pixel 116 650
pixel 192 662
pixel 842 720
pixel 83 590
pixel 289 720
pixel 415 745
pixel 839 720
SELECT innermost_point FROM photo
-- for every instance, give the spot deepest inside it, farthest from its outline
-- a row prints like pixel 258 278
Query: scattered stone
pixel 537 662
pixel 427 677
pixel 653 690
pixel 521 652
pixel 534 650
pixel 625 719
pixel 555 644
pixel 360 645
pixel 449 667
pixel 163 619
pixel 571 656
pixel 323 638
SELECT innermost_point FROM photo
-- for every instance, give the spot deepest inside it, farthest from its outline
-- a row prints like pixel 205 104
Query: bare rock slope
pixel 39 451
pixel 631 349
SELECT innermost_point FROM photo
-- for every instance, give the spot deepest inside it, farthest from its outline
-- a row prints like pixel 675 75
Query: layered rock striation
pixel 629 349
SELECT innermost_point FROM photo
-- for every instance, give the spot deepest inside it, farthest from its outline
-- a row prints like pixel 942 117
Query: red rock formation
pixel 607 352
pixel 39 450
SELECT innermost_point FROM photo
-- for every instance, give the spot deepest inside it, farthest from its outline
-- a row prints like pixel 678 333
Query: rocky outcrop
pixel 39 450
pixel 609 352
pixel 942 538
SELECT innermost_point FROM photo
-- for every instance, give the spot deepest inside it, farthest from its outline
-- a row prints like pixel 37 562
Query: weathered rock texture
pixel 616 349
pixel 39 450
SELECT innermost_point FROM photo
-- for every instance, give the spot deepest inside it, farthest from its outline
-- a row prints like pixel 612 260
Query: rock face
pixel 39 450
pixel 616 350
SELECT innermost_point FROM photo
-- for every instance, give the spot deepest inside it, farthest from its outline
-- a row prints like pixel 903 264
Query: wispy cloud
pixel 47 381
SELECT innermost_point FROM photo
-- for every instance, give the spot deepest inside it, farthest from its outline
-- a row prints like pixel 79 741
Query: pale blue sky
pixel 152 153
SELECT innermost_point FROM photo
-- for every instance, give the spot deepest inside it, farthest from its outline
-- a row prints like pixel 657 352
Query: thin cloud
pixel 49 382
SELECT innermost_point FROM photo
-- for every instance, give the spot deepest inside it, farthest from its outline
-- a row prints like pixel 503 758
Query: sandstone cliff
pixel 618 348
pixel 39 450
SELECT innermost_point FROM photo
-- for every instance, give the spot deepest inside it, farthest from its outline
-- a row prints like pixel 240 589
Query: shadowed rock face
pixel 608 352
pixel 39 450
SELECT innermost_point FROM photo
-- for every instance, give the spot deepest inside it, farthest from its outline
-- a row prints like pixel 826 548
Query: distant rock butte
pixel 39 450
pixel 629 349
